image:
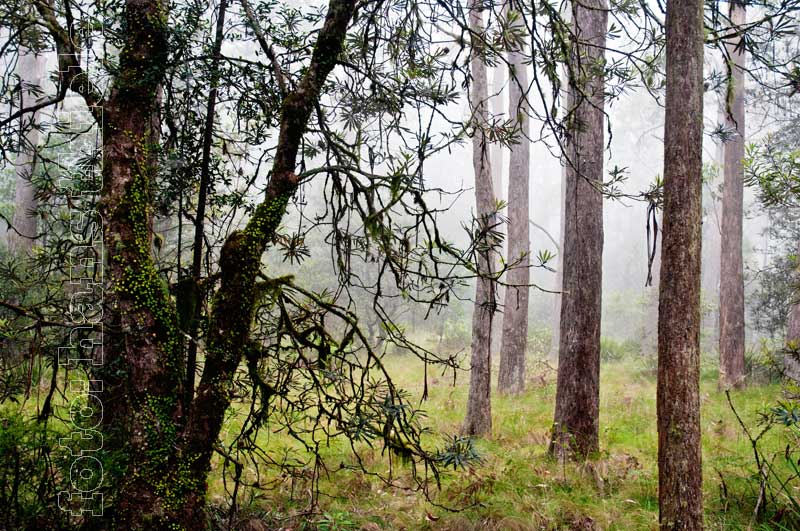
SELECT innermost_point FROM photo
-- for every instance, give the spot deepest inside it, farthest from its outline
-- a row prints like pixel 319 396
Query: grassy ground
pixel 518 487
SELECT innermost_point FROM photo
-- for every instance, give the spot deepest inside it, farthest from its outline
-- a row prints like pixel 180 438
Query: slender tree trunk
pixel 479 408
pixel 511 374
pixel 30 68
pixel 712 227
pixel 679 458
pixel 498 109
pixel 791 360
pixel 731 286
pixel 195 297
pixel 576 423
pixel 555 338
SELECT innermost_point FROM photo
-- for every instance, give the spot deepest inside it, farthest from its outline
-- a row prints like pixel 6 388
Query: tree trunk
pixel 142 373
pixel 194 291
pixel 731 285
pixel 678 402
pixel 576 423
pixel 791 359
pixel 233 306
pixel 498 109
pixel 164 454
pixel 555 337
pixel 479 408
pixel 30 68
pixel 511 374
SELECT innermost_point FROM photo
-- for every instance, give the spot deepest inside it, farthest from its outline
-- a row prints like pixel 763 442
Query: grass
pixel 518 487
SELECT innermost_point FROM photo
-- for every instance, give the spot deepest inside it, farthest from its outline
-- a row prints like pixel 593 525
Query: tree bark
pixel 164 454
pixel 142 373
pixel 30 68
pixel 478 420
pixel 511 374
pixel 678 401
pixel 731 286
pixel 576 423
pixel 555 337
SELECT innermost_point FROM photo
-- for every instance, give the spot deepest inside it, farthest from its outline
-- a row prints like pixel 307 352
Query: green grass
pixel 518 486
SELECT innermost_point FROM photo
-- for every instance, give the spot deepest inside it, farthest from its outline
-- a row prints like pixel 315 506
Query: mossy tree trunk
pixel 233 305
pixel 678 403
pixel 576 420
pixel 166 453
pixel 143 366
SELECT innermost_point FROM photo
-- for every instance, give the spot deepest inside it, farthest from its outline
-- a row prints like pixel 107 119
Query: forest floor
pixel 517 486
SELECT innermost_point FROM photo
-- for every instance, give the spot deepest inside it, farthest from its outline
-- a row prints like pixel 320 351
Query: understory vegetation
pixel 514 484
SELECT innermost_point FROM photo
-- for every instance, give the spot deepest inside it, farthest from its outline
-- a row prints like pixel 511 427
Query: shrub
pixel 612 350
pixel 30 475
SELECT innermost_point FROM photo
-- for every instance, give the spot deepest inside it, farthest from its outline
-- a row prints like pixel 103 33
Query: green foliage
pixel 763 363
pixel 612 350
pixel 31 473
pixel 458 452
pixel 774 477
pixel 335 521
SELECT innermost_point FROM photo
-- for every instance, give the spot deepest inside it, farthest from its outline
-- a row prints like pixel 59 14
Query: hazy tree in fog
pixel 792 357
pixel 479 409
pixel 511 374
pixel 498 105
pixel 576 423
pixel 731 283
pixel 555 336
pixel 678 402
pixel 30 69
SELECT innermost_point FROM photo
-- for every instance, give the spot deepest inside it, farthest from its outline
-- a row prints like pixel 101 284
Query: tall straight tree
pixel 30 69
pixel 679 459
pixel 511 374
pixel 479 407
pixel 731 283
pixel 498 109
pixel 576 424
pixel 555 337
